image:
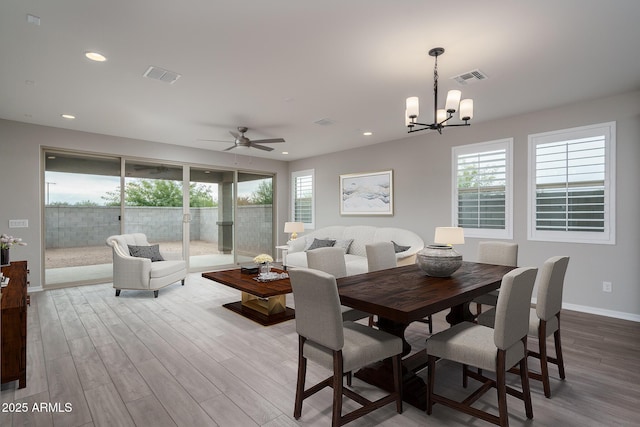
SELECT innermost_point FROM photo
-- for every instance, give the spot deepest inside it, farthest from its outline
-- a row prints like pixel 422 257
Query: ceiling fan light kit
pixel 442 116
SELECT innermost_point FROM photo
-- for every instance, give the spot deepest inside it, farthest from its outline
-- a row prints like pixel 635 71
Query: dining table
pixel 402 295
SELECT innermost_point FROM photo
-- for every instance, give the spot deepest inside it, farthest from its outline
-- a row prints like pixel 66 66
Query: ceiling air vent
pixel 470 77
pixel 161 74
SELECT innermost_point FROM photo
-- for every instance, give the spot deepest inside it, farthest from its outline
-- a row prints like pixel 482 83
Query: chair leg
pixel 431 375
pixel 478 309
pixel 182 282
pixel 524 379
pixel 118 292
pixel 556 337
pixel 465 377
pixel 501 388
pixel 544 364
pixel 397 381
pixel 155 293
pixel 337 389
pixel 430 324
pixel 349 378
pixel 302 372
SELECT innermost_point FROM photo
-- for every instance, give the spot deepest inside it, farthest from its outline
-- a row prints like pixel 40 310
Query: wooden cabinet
pixel 14 324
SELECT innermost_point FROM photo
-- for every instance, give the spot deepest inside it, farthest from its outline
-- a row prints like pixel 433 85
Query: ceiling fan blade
pixel 261 147
pixel 267 141
pixel 214 140
pixel 230 148
pixel 236 135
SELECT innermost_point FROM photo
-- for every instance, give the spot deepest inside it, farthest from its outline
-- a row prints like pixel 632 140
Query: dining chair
pixel 381 256
pixel 499 253
pixel 331 260
pixel 324 338
pixel 494 349
pixel 544 319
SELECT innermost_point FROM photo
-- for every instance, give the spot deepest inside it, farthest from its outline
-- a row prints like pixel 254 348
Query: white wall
pixel 422 189
pixel 20 175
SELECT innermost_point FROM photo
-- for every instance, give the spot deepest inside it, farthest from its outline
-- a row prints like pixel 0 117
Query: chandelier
pixel 441 117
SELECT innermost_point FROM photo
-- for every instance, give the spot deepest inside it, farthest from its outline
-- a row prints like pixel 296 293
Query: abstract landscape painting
pixel 367 193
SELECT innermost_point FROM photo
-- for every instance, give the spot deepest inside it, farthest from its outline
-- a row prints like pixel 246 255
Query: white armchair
pixel 139 273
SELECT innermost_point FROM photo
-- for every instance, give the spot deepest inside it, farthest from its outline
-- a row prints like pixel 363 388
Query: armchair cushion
pixel 152 252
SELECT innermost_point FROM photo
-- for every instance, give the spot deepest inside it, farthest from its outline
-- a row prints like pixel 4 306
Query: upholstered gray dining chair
pixel 544 320
pixel 331 260
pixel 381 256
pixel 498 253
pixel 496 350
pixel 339 346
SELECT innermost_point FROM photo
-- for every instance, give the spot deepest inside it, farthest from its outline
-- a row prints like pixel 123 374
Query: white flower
pixel 262 258
pixel 7 241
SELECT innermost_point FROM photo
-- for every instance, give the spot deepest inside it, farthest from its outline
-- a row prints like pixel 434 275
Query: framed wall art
pixel 367 193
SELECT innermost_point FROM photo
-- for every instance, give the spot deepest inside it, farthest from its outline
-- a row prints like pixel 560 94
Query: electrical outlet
pixel 606 287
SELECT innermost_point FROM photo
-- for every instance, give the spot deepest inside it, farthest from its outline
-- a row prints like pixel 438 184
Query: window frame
pixel 607 236
pixel 482 147
pixel 294 176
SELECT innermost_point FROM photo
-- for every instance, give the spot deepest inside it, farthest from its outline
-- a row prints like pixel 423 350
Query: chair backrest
pixel 329 260
pixel 499 253
pixel 512 310
pixel 550 285
pixel 318 314
pixel 380 256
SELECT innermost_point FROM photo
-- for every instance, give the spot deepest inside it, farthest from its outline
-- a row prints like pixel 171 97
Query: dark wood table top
pixel 406 294
pixel 246 283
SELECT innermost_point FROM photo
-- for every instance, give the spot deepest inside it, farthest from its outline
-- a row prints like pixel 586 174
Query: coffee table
pixel 262 302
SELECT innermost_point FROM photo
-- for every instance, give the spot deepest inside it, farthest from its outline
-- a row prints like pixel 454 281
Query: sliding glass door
pixel 81 209
pixel 254 216
pixel 153 203
pixel 211 210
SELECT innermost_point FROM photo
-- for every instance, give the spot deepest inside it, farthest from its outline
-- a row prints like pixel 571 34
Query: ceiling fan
pixel 242 141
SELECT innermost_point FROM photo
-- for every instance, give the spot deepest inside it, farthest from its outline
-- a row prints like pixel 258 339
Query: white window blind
pixel 571 189
pixel 303 197
pixel 482 187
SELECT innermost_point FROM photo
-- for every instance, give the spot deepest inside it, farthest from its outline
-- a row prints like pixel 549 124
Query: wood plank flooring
pixel 184 360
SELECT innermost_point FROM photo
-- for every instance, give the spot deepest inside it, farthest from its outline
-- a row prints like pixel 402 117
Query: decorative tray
pixel 271 276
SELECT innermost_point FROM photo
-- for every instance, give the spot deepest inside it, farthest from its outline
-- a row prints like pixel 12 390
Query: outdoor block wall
pixel 78 226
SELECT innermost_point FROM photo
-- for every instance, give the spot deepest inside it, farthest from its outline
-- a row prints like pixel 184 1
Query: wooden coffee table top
pixel 246 283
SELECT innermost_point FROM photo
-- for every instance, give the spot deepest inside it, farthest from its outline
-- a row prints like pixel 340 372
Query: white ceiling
pixel 278 66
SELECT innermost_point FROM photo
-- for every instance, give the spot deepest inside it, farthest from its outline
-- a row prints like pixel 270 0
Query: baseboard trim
pixel 599 311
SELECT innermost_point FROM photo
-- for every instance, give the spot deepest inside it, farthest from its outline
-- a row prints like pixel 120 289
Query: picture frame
pixel 368 193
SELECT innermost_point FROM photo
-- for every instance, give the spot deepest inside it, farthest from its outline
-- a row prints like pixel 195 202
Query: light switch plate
pixel 18 223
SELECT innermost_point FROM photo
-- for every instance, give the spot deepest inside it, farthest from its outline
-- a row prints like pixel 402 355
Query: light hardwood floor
pixel 183 359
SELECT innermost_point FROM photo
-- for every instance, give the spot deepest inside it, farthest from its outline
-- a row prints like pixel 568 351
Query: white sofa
pixel 356 256
pixel 131 272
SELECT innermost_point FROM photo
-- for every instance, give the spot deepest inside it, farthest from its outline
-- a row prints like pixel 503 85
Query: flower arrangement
pixel 7 241
pixel 262 258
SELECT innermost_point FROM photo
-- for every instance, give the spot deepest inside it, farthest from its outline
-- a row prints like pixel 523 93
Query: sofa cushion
pixel 152 252
pixel 321 243
pixel 344 244
pixel 399 248
pixel 165 268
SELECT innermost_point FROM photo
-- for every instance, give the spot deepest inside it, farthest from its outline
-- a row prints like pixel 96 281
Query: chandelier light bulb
pixel 466 109
pixel 413 107
pixel 441 116
pixel 453 99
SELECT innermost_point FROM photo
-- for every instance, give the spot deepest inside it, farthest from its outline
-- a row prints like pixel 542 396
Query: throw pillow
pixel 321 244
pixel 399 248
pixel 152 252
pixel 344 244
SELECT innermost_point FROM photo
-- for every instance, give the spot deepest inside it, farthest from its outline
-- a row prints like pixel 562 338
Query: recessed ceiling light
pixel 68 116
pixel 367 133
pixel 95 56
pixel 285 152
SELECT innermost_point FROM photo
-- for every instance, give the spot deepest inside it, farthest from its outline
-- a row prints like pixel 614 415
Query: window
pixel 302 198
pixel 482 189
pixel 572 185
